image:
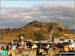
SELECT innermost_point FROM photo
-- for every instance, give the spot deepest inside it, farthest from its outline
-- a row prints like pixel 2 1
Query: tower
pixel 21 40
pixel 51 35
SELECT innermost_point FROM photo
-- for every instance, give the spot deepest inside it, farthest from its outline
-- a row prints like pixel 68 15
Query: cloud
pixel 20 16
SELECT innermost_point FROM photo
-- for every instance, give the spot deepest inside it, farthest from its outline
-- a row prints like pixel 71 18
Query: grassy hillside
pixel 37 31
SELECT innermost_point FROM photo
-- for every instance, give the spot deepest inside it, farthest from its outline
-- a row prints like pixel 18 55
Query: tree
pixel 39 35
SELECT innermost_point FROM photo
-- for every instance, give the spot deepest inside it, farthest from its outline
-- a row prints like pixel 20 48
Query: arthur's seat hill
pixel 36 30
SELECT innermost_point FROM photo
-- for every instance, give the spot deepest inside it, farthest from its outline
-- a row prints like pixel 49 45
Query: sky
pixel 29 3
pixel 19 13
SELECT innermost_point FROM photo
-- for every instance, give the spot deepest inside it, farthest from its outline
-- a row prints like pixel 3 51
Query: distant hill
pixel 37 31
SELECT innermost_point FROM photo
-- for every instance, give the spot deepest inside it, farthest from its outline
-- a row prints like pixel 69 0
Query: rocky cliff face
pixel 37 31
